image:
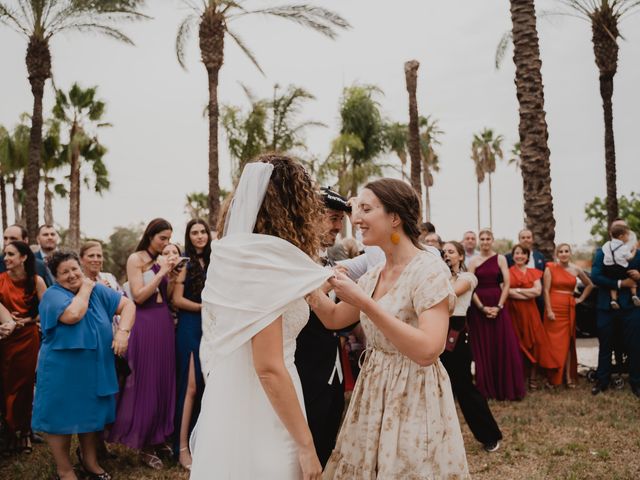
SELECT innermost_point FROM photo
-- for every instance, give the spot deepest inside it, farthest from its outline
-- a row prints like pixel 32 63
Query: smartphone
pixel 181 263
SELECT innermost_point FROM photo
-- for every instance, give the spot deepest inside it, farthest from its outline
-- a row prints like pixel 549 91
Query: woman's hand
pixel 7 328
pixel 550 315
pixel 348 291
pixel 491 312
pixel 311 468
pixel 87 283
pixel 120 342
pixel 166 263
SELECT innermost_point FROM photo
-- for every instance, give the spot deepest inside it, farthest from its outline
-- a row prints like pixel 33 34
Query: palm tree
pixel 480 175
pixel 53 158
pixel 14 156
pixel 429 139
pixel 516 156
pixel 485 149
pixel 4 147
pixel 396 136
pixel 535 168
pixel 411 77
pixel 39 21
pixel 605 17
pixel 81 111
pixel 286 131
pixel 212 18
pixel 246 133
pixel 362 121
pixel 269 125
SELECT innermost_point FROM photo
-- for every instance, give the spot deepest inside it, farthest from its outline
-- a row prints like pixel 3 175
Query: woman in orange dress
pixel 560 314
pixel 524 287
pixel 20 290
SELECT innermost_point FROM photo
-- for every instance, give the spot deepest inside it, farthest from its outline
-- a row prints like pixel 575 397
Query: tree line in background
pixel 364 135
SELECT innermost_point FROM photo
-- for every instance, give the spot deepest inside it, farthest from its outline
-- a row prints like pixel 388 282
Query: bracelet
pixel 500 307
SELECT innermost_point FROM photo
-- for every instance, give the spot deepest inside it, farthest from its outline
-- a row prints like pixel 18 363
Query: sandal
pixel 25 445
pixel 165 451
pixel 571 385
pixel 533 385
pixel 151 460
pixel 186 467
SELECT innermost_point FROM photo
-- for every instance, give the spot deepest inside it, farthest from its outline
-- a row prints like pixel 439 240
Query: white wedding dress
pixel 252 280
pixel 256 446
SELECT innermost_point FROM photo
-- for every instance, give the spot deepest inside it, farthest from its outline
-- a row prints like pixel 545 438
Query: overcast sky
pixel 158 142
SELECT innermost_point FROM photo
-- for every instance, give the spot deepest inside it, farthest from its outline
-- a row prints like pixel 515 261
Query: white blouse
pixel 463 301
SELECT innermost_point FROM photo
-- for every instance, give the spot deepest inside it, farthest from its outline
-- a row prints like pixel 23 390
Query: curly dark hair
pixel 292 208
pixel 400 198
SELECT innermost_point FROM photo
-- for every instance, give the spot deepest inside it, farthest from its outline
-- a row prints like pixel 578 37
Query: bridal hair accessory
pixel 247 198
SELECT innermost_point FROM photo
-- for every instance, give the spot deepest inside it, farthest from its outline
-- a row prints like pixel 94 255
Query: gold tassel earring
pixel 395 238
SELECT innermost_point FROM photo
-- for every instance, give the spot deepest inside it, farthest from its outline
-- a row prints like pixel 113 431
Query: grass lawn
pixel 563 434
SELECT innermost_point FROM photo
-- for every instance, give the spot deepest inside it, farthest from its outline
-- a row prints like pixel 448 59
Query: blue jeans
pixel 630 319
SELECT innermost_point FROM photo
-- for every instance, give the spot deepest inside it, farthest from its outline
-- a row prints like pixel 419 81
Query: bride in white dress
pixel 252 423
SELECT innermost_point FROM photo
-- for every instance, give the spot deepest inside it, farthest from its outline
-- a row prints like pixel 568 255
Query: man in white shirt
pixel 469 242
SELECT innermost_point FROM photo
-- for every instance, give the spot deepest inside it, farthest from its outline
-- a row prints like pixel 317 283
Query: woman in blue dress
pixel 186 298
pixel 76 384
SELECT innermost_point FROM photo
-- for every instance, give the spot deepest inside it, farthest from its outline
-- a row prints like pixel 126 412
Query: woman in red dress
pixel 560 314
pixel 524 287
pixel 20 291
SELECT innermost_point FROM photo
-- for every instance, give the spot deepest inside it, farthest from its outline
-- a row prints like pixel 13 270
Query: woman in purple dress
pixel 494 344
pixel 144 418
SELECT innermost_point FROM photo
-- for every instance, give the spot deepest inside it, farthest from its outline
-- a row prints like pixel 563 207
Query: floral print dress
pixel 402 421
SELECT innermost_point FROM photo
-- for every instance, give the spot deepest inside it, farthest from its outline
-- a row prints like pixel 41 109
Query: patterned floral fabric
pixel 401 422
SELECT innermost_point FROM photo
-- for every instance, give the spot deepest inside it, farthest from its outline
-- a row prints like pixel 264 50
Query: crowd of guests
pixel 121 364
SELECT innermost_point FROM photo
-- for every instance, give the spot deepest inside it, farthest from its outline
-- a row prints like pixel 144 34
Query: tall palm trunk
pixel 490 204
pixel 605 48
pixel 38 61
pixel 411 76
pixel 3 202
pixel 211 36
pixel 478 204
pixel 48 202
pixel 15 194
pixel 427 204
pixel 73 236
pixel 536 175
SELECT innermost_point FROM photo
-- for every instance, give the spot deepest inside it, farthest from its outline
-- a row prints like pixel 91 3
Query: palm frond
pixel 182 37
pixel 11 19
pixel 320 19
pixel 247 51
pixel 98 28
pixel 501 50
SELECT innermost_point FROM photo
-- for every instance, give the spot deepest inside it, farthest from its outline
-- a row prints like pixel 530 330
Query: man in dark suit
pixel 47 239
pixel 318 351
pixel 628 316
pixel 16 233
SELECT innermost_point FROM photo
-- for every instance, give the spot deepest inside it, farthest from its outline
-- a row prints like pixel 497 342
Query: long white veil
pixel 251 280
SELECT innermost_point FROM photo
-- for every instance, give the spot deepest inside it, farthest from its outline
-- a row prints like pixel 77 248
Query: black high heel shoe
pixel 90 475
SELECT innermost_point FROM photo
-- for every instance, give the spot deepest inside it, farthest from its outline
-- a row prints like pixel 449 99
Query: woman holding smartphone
pixel 144 420
pixel 187 300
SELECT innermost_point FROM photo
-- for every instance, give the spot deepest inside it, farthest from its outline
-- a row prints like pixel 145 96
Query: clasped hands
pixel 345 289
